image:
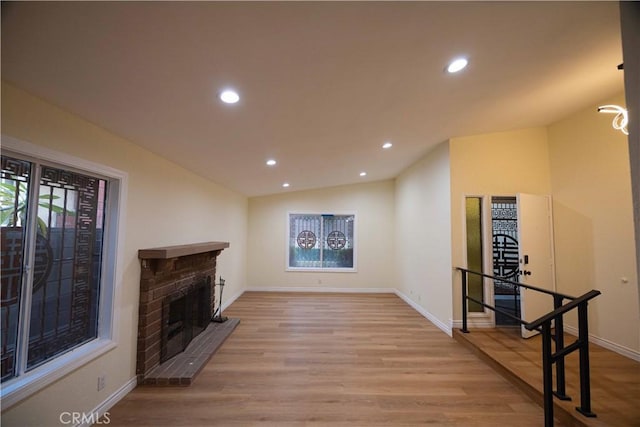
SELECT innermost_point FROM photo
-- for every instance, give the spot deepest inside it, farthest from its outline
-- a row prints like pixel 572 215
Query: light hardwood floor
pixel 334 359
pixel 615 379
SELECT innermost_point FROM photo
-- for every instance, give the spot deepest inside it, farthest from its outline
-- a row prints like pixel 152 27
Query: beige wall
pixel 373 205
pixel 593 218
pixel 166 205
pixel 584 164
pixel 502 163
pixel 409 231
pixel 423 235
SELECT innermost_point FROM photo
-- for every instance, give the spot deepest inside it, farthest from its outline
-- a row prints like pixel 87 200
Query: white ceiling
pixel 323 84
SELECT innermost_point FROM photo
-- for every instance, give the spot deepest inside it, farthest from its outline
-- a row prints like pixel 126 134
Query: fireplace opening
pixel 184 316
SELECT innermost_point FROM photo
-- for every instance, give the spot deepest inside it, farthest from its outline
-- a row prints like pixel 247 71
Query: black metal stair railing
pixel 549 334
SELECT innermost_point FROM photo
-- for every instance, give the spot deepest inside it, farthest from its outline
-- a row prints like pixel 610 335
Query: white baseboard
pixel 104 407
pixel 617 348
pixel 430 317
pixel 322 289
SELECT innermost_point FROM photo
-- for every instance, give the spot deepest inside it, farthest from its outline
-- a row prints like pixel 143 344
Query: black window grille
pixel 51 261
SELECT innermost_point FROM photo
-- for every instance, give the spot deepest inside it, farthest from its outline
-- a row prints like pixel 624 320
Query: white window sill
pixel 15 390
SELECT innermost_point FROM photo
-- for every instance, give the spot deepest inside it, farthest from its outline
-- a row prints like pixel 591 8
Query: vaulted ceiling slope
pixel 323 84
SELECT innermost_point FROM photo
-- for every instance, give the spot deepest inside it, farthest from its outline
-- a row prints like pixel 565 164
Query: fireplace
pixel 176 304
pixel 184 316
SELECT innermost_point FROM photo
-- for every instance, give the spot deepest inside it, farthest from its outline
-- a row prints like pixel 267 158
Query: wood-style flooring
pixel 299 359
pixel 615 379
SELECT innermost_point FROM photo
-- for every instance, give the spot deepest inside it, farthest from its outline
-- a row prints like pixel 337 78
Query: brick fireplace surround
pixel 166 273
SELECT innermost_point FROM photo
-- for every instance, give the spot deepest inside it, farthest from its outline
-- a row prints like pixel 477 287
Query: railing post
pixel 559 339
pixel 585 381
pixel 464 302
pixel 547 374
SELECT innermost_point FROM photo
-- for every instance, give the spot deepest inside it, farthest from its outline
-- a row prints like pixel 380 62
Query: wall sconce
pixel 621 119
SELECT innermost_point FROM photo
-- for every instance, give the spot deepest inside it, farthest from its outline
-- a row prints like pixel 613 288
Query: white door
pixel 535 238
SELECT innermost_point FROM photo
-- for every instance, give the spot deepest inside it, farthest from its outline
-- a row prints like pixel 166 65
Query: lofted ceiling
pixel 323 84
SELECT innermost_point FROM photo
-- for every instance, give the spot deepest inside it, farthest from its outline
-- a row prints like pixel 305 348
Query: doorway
pixel 505 261
pixel 510 237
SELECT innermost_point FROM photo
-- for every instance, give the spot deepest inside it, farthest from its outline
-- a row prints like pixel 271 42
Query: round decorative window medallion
pixel 336 240
pixel 306 239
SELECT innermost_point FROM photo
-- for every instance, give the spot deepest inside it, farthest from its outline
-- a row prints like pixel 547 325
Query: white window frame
pixel 353 269
pixel 28 383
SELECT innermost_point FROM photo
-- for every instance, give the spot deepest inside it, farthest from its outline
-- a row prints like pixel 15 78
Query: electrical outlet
pixel 102 382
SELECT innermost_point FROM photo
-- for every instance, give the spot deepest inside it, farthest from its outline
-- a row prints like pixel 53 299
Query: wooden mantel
pixel 168 252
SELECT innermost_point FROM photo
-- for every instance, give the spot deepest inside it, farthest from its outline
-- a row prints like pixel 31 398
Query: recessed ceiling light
pixel 387 145
pixel 363 174
pixel 457 65
pixel 285 185
pixel 229 96
pixel 271 162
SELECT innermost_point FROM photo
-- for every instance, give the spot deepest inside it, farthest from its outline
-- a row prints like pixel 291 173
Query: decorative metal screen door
pixel 504 226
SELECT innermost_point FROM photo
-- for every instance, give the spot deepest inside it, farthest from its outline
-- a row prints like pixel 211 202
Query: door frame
pixel 487 318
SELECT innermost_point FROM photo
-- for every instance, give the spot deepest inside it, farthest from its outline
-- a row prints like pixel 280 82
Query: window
pixel 475 283
pixel 59 235
pixel 321 242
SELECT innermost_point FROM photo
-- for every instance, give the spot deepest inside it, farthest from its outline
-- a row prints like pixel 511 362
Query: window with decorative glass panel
pixel 321 242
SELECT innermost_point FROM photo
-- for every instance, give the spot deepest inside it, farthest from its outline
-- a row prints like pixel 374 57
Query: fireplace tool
pixel 217 315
